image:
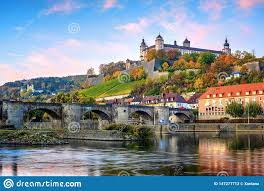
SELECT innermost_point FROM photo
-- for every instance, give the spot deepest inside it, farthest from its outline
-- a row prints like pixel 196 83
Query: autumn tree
pixel 151 54
pixel 165 66
pixel 137 73
pixel 90 72
pixel 173 54
pixel 160 54
pixel 116 74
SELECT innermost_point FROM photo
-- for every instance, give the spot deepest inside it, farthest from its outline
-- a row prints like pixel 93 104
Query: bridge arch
pixel 102 115
pixel 141 116
pixel 30 111
pixel 179 117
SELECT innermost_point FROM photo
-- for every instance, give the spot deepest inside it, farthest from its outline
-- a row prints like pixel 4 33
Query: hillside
pixel 110 88
pixel 47 85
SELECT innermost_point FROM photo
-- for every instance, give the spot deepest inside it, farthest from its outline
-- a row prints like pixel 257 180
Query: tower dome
pixel 226 43
pixel 226 49
pixel 159 43
pixel 186 43
pixel 143 47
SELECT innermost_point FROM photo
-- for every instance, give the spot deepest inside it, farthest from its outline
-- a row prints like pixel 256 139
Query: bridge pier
pixel 70 113
pixel 14 112
pixel 161 114
pixel 121 114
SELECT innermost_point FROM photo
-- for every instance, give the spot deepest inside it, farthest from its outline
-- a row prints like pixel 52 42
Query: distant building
pixel 185 48
pixel 193 101
pixel 213 103
pixel 233 75
pixel 172 100
pixel 130 64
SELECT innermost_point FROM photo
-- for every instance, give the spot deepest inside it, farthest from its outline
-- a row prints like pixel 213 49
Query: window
pixel 208 96
pixel 214 95
pixel 220 95
pixel 254 92
pixel 260 92
pixel 229 94
pixel 238 93
pixel 247 93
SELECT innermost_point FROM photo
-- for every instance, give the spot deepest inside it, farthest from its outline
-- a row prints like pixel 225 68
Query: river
pixel 233 154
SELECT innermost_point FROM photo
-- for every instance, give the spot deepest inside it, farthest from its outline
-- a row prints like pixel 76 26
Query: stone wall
pixel 102 135
pixel 214 127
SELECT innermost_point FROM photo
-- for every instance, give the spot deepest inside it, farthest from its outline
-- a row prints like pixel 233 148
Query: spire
pixel 226 43
pixel 186 40
pixel 159 36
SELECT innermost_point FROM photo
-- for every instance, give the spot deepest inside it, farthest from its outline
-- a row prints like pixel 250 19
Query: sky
pixel 41 38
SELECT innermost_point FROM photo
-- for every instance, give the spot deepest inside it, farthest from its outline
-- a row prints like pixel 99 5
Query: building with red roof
pixel 212 104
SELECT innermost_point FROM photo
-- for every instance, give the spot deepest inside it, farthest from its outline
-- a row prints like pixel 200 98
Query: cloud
pixel 212 7
pixel 247 4
pixel 9 73
pixel 109 4
pixel 69 57
pixel 67 6
pixel 135 27
pixel 14 54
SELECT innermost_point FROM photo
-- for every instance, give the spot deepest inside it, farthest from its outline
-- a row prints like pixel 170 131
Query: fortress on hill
pixel 184 48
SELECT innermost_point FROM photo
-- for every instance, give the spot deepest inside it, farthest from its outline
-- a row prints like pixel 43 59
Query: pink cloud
pixel 212 7
pixel 67 6
pixel 9 73
pixel 109 4
pixel 70 57
pixel 135 27
pixel 247 4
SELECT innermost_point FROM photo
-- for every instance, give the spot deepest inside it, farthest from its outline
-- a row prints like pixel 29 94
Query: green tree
pixel 253 109
pixel 206 59
pixel 235 109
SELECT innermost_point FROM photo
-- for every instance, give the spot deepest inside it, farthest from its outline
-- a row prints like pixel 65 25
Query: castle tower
pixel 226 49
pixel 159 43
pixel 186 43
pixel 143 46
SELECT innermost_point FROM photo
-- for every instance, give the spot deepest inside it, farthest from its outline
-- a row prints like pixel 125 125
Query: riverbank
pixel 212 127
pixel 113 132
pixel 31 137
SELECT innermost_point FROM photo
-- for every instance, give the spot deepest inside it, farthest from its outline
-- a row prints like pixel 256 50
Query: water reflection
pixel 181 154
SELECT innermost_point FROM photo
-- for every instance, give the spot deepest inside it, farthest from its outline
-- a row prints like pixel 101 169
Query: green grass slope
pixel 110 88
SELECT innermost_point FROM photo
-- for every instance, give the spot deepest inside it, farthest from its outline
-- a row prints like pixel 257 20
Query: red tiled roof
pixel 194 98
pixel 225 90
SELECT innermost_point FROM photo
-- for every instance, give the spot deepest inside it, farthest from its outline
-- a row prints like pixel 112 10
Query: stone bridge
pixel 13 112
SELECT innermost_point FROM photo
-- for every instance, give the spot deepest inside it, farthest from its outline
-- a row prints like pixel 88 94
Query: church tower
pixel 226 49
pixel 143 46
pixel 159 43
